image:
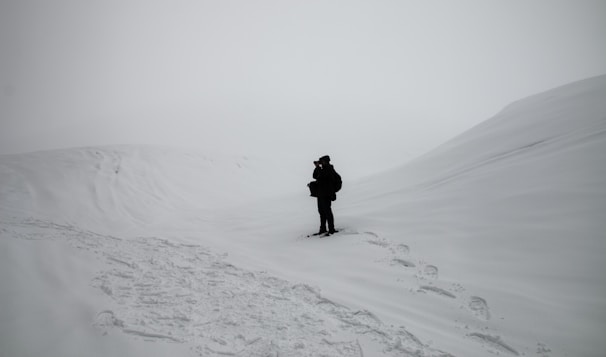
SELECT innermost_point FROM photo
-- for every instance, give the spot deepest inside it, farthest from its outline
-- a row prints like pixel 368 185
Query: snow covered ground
pixel 492 244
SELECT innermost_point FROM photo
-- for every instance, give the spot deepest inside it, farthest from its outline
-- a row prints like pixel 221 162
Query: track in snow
pixel 175 293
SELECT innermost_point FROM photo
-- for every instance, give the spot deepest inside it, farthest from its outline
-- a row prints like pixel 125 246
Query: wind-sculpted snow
pixel 516 203
pixel 157 290
pixel 126 189
pixel 492 244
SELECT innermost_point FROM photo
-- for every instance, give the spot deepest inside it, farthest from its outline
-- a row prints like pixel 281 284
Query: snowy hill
pixel 513 210
pixel 492 244
pixel 128 188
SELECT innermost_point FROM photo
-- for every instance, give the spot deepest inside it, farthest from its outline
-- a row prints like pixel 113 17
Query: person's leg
pixel 329 217
pixel 322 211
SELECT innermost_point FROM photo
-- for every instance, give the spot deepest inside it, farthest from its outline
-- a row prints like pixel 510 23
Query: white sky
pixel 372 83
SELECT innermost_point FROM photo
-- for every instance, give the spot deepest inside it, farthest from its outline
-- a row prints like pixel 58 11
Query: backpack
pixel 336 182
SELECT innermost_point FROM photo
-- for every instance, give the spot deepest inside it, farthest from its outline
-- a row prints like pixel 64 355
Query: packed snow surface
pixel 492 244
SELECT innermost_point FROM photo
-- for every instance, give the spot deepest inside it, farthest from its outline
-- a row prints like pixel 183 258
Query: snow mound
pixel 124 189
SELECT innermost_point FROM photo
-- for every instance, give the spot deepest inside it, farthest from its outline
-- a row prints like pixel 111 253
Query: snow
pixel 492 244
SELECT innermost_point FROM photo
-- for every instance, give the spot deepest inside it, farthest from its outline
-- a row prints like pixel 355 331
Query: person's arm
pixel 317 170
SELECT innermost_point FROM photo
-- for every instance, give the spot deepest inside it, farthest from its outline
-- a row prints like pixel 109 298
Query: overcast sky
pixel 365 81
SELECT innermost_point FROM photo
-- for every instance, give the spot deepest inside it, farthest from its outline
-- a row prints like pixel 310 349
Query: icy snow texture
pixel 493 243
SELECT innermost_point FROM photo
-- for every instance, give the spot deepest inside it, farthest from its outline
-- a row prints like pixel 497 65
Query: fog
pixel 372 83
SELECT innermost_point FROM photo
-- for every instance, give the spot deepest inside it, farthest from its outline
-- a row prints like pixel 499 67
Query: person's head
pixel 325 160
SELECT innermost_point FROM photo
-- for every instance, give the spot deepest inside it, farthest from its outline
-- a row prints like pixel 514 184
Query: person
pixel 324 173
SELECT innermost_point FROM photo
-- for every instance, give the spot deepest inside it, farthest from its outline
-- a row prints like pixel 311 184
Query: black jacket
pixel 324 176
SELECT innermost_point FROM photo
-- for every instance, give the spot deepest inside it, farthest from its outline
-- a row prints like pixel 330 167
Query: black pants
pixel 325 210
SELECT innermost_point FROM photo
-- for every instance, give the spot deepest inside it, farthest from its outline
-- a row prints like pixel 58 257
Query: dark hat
pixel 325 158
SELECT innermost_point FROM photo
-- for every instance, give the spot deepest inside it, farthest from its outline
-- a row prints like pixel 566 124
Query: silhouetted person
pixel 324 173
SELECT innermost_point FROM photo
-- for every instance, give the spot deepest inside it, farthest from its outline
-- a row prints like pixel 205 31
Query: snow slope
pixel 492 244
pixel 514 210
pixel 123 189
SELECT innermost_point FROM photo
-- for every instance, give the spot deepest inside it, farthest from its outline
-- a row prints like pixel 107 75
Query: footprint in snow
pixel 430 272
pixel 106 320
pixel 493 343
pixel 378 242
pixel 437 291
pixel 479 308
pixel 374 239
pixel 400 249
pixel 402 262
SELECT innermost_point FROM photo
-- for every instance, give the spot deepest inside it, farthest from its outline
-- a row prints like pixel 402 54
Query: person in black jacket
pixel 324 173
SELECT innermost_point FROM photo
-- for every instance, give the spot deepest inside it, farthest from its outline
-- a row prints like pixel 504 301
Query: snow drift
pixel 491 244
